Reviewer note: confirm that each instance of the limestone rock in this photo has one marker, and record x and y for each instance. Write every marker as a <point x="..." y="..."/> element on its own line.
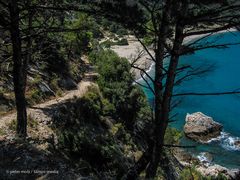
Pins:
<point x="201" y="127"/>
<point x="215" y="170"/>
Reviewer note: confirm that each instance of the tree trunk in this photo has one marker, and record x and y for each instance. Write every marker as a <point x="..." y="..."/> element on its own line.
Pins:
<point x="19" y="69"/>
<point x="159" y="128"/>
<point x="163" y="101"/>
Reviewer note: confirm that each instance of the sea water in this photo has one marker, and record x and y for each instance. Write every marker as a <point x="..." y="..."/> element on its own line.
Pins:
<point x="220" y="71"/>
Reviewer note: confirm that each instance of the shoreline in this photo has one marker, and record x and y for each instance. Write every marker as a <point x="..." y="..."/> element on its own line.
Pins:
<point x="204" y="164"/>
<point x="132" y="50"/>
<point x="202" y="168"/>
<point x="195" y="37"/>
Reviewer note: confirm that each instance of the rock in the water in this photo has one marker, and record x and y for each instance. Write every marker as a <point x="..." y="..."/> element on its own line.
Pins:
<point x="215" y="170"/>
<point x="201" y="128"/>
<point x="237" y="143"/>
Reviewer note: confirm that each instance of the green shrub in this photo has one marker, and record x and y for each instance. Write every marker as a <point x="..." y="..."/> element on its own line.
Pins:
<point x="98" y="128"/>
<point x="190" y="174"/>
<point x="108" y="108"/>
<point x="115" y="82"/>
<point x="35" y="96"/>
<point x="54" y="82"/>
<point x="121" y="32"/>
<point x="220" y="176"/>
<point x="107" y="44"/>
<point x="91" y="106"/>
<point x="172" y="136"/>
<point x="193" y="174"/>
<point x="36" y="80"/>
<point x="122" y="42"/>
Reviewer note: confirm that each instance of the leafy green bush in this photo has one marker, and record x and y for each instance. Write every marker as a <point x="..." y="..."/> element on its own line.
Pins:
<point x="35" y="96"/>
<point x="108" y="108"/>
<point x="190" y="174"/>
<point x="99" y="128"/>
<point x="122" y="42"/>
<point x="115" y="82"/>
<point x="91" y="106"/>
<point x="172" y="136"/>
<point x="193" y="174"/>
<point x="121" y="31"/>
<point x="220" y="176"/>
<point x="82" y="134"/>
<point x="107" y="44"/>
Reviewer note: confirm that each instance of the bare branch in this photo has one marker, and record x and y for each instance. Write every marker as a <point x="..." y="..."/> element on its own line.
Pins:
<point x="207" y="94"/>
<point x="144" y="71"/>
<point x="149" y="86"/>
<point x="177" y="146"/>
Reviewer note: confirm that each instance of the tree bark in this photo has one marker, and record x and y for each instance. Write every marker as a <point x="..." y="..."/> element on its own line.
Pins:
<point x="159" y="128"/>
<point x="163" y="100"/>
<point x="19" y="69"/>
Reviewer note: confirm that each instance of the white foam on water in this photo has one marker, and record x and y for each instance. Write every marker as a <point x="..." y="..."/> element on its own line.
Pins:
<point x="203" y="158"/>
<point x="222" y="136"/>
<point x="227" y="141"/>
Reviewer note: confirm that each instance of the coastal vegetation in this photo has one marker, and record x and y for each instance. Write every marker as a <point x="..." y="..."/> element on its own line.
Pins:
<point x="69" y="101"/>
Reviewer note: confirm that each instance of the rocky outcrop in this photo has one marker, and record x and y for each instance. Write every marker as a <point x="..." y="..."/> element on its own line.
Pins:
<point x="215" y="170"/>
<point x="44" y="87"/>
<point x="185" y="158"/>
<point x="203" y="164"/>
<point x="68" y="83"/>
<point x="201" y="128"/>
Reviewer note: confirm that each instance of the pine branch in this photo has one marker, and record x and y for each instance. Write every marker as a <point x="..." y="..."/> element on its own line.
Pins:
<point x="207" y="94"/>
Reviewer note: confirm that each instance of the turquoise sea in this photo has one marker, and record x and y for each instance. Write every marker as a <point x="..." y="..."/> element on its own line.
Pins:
<point x="223" y="75"/>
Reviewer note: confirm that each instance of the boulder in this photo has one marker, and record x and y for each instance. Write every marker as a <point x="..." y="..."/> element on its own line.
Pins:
<point x="237" y="144"/>
<point x="201" y="128"/>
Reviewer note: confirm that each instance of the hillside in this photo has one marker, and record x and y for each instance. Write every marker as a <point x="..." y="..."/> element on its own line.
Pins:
<point x="111" y="90"/>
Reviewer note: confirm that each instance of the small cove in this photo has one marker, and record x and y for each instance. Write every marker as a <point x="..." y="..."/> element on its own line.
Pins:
<point x="223" y="75"/>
